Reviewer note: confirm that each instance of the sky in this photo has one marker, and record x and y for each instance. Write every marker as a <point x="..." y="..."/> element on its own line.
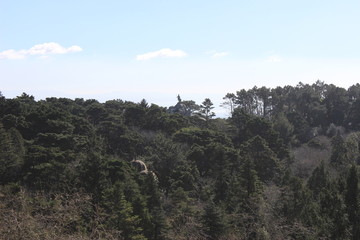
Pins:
<point x="157" y="49"/>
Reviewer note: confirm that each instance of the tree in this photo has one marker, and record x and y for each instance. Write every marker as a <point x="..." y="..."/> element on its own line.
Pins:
<point x="250" y="178"/>
<point x="339" y="151"/>
<point x="353" y="117"/>
<point x="134" y="114"/>
<point x="352" y="147"/>
<point x="263" y="128"/>
<point x="190" y="107"/>
<point x="96" y="112"/>
<point x="186" y="108"/>
<point x="263" y="99"/>
<point x="112" y="131"/>
<point x="144" y="103"/>
<point x="320" y="89"/>
<point x="214" y="222"/>
<point x="352" y="201"/>
<point x="337" y="104"/>
<point x="11" y="154"/>
<point x="120" y="214"/>
<point x="283" y="126"/>
<point x="224" y="181"/>
<point x="229" y="102"/>
<point x="91" y="174"/>
<point x="283" y="99"/>
<point x="354" y="92"/>
<point x="301" y="126"/>
<point x="318" y="180"/>
<point x="265" y="161"/>
<point x="245" y="100"/>
<point x="155" y="206"/>
<point x="165" y="155"/>
<point x="206" y="109"/>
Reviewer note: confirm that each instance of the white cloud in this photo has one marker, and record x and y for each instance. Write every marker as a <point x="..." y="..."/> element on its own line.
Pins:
<point x="274" y="58"/>
<point x="216" y="54"/>
<point x="165" y="52"/>
<point x="43" y="49"/>
<point x="219" y="54"/>
<point x="12" y="54"/>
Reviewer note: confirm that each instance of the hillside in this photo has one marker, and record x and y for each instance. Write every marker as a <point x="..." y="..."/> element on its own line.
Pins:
<point x="284" y="165"/>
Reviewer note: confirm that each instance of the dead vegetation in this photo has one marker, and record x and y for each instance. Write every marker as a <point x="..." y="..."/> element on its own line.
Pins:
<point x="308" y="156"/>
<point x="56" y="217"/>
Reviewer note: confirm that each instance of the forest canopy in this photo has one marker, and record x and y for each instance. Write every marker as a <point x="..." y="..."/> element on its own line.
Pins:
<point x="283" y="165"/>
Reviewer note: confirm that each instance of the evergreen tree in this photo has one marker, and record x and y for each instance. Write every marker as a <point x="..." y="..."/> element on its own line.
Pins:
<point x="283" y="126"/>
<point x="65" y="166"/>
<point x="158" y="219"/>
<point x="264" y="159"/>
<point x="352" y="201"/>
<point x="206" y="109"/>
<point x="214" y="222"/>
<point x="251" y="182"/>
<point x="120" y="213"/>
<point x="338" y="152"/>
<point x="11" y="155"/>
<point x="229" y="102"/>
<point x="318" y="180"/>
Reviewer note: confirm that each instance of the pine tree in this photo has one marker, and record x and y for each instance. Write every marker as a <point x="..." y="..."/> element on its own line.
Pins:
<point x="214" y="222"/>
<point x="338" y="152"/>
<point x="352" y="201"/>
<point x="154" y="204"/>
<point x="120" y="214"/>
<point x="250" y="178"/>
<point x="318" y="180"/>
<point x="11" y="154"/>
<point x="206" y="109"/>
<point x="264" y="159"/>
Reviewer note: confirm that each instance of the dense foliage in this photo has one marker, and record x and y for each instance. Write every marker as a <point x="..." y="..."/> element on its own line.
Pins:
<point x="284" y="165"/>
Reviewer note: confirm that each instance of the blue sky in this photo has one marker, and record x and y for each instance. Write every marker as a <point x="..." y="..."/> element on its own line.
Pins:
<point x="156" y="49"/>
